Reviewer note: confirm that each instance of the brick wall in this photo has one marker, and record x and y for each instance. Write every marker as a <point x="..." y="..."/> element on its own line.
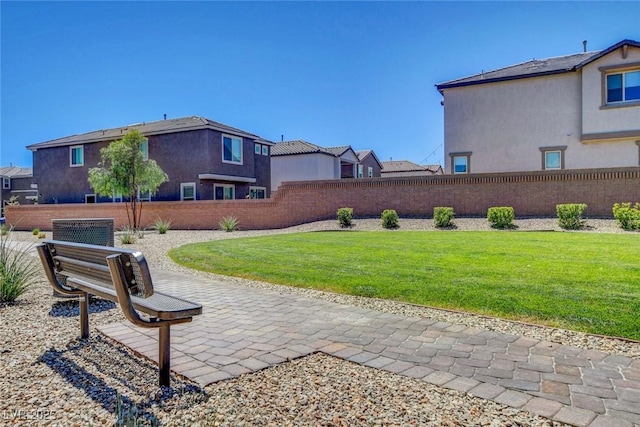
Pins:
<point x="531" y="194"/>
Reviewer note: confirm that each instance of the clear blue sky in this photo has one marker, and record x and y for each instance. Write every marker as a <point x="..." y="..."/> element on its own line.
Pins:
<point x="332" y="73"/>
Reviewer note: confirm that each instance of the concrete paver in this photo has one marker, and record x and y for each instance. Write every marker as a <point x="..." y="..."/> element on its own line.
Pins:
<point x="244" y="330"/>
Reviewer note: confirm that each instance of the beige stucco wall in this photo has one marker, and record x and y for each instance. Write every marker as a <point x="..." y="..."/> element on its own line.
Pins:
<point x="595" y="118"/>
<point x="304" y="167"/>
<point x="504" y="124"/>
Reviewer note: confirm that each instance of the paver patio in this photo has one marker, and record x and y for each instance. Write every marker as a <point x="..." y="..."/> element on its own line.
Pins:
<point x="244" y="330"/>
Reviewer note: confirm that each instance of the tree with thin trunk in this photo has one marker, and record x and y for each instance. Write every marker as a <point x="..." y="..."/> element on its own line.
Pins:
<point x="124" y="170"/>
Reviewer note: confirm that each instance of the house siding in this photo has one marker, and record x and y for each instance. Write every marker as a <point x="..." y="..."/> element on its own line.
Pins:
<point x="303" y="167"/>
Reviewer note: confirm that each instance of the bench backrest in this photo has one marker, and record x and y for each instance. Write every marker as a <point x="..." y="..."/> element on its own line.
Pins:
<point x="89" y="262"/>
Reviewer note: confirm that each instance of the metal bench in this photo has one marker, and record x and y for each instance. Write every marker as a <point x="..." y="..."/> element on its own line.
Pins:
<point x="118" y="275"/>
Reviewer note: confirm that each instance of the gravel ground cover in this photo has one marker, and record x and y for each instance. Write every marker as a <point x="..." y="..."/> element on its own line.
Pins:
<point x="49" y="377"/>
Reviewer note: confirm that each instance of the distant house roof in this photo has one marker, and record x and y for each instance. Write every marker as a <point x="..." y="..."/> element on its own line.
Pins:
<point x="16" y="172"/>
<point x="407" y="166"/>
<point x="362" y="154"/>
<point x="536" y="67"/>
<point x="183" y="124"/>
<point x="298" y="146"/>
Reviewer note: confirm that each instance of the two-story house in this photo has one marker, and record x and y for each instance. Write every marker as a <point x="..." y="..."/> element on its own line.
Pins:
<point x="571" y="112"/>
<point x="300" y="160"/>
<point x="17" y="185"/>
<point x="205" y="160"/>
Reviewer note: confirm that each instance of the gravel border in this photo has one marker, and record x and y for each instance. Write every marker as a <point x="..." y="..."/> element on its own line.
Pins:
<point x="52" y="378"/>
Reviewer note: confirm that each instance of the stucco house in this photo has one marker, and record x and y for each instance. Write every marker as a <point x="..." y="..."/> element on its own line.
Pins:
<point x="570" y="112"/>
<point x="398" y="168"/>
<point x="369" y="166"/>
<point x="205" y="160"/>
<point x="17" y="181"/>
<point x="300" y="160"/>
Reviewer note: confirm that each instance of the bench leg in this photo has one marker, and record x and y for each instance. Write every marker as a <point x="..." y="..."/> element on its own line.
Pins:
<point x="164" y="356"/>
<point x="84" y="315"/>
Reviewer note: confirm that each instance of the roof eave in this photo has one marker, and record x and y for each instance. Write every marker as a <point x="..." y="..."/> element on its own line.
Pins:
<point x="443" y="86"/>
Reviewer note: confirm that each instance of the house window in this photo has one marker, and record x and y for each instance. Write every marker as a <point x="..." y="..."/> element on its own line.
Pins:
<point x="89" y="198"/>
<point x="117" y="197"/>
<point x="624" y="86"/>
<point x="144" y="147"/>
<point x="265" y="150"/>
<point x="231" y="149"/>
<point x="76" y="155"/>
<point x="144" y="195"/>
<point x="224" y="192"/>
<point x="6" y="183"/>
<point x="553" y="157"/>
<point x="370" y="172"/>
<point x="258" y="149"/>
<point x="461" y="162"/>
<point x="257" y="192"/>
<point x="188" y="191"/>
<point x="360" y="171"/>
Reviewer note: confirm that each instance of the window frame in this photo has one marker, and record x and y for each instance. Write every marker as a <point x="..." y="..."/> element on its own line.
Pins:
<point x="265" y="150"/>
<point x="612" y="70"/>
<point x="146" y="198"/>
<point x="257" y="149"/>
<point x="360" y="171"/>
<point x="232" y="138"/>
<point x="117" y="197"/>
<point x="463" y="154"/>
<point x="6" y="183"/>
<point x="256" y="189"/>
<point x="224" y="186"/>
<point x="369" y="172"/>
<point x="183" y="186"/>
<point x="71" y="150"/>
<point x="88" y="196"/>
<point x="560" y="149"/>
<point x="144" y="147"/>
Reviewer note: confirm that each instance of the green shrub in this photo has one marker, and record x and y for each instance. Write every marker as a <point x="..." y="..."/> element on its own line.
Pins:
<point x="35" y="231"/>
<point x="501" y="216"/>
<point x="345" y="216"/>
<point x="443" y="216"/>
<point x="389" y="218"/>
<point x="18" y="270"/>
<point x="628" y="216"/>
<point x="229" y="223"/>
<point x="570" y="215"/>
<point x="128" y="236"/>
<point x="42" y="236"/>
<point x="162" y="226"/>
<point x="3" y="230"/>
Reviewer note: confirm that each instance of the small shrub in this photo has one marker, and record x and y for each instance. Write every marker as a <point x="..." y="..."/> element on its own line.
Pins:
<point x="345" y="217"/>
<point x="389" y="218"/>
<point x="229" y="224"/>
<point x="129" y="415"/>
<point x="627" y="216"/>
<point x="3" y="230"/>
<point x="501" y="216"/>
<point x="162" y="226"/>
<point x="35" y="231"/>
<point x="128" y="236"/>
<point x="570" y="215"/>
<point x="443" y="216"/>
<point x="18" y="270"/>
<point x="42" y="236"/>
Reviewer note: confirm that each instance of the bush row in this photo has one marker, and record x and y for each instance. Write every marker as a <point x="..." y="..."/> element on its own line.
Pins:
<point x="502" y="217"/>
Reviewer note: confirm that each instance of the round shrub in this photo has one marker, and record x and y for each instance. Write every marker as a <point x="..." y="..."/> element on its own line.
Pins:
<point x="389" y="218"/>
<point x="345" y="217"/>
<point x="501" y="217"/>
<point x="443" y="216"/>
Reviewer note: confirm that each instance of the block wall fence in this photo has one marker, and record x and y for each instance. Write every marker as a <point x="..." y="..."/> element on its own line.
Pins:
<point x="530" y="194"/>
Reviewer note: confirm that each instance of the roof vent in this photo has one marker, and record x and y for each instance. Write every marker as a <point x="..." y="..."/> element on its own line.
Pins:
<point x="584" y="45"/>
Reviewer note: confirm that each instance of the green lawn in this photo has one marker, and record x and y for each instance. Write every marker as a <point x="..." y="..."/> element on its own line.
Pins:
<point x="582" y="281"/>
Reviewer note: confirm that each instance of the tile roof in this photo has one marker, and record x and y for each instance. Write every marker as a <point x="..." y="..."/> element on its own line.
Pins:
<point x="299" y="146"/>
<point x="401" y="166"/>
<point x="15" y="172"/>
<point x="182" y="124"/>
<point x="535" y="67"/>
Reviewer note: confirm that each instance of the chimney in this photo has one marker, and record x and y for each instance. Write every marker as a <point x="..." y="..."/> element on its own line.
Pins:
<point x="584" y="45"/>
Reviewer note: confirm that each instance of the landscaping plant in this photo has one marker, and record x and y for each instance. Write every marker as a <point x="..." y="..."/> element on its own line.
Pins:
<point x="501" y="217"/>
<point x="389" y="218"/>
<point x="443" y="216"/>
<point x="570" y="215"/>
<point x="18" y="270"/>
<point x="229" y="223"/>
<point x="627" y="216"/>
<point x="35" y="231"/>
<point x="128" y="236"/>
<point x="345" y="216"/>
<point x="162" y="226"/>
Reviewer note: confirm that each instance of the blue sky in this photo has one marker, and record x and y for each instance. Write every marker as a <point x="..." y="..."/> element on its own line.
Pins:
<point x="332" y="73"/>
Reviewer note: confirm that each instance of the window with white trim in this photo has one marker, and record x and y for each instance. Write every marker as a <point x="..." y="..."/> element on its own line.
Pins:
<point x="360" y="171"/>
<point x="89" y="198"/>
<point x="6" y="183"/>
<point x="257" y="192"/>
<point x="76" y="155"/>
<point x="144" y="147"/>
<point x="117" y="197"/>
<point x="258" y="149"/>
<point x="231" y="149"/>
<point x="265" y="150"/>
<point x="553" y="157"/>
<point x="188" y="191"/>
<point x="224" y="191"/>
<point x="144" y="196"/>
<point x="623" y="86"/>
<point x="460" y="162"/>
<point x="370" y="172"/>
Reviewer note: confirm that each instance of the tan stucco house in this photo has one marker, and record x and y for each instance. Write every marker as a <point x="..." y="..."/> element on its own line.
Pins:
<point x="571" y="112"/>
